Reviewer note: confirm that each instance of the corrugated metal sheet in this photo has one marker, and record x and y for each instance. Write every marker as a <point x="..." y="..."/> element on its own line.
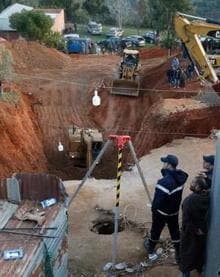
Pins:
<point x="6" y="211"/>
<point x="33" y="262"/>
<point x="36" y="187"/>
<point x="39" y="186"/>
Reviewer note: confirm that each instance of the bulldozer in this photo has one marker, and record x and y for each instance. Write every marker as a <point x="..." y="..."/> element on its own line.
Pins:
<point x="84" y="145"/>
<point x="127" y="81"/>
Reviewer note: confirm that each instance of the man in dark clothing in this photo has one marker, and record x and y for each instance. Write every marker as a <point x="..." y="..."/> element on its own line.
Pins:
<point x="208" y="165"/>
<point x="194" y="227"/>
<point x="166" y="203"/>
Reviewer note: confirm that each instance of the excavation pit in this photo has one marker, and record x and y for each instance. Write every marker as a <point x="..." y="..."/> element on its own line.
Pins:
<point x="106" y="227"/>
<point x="48" y="106"/>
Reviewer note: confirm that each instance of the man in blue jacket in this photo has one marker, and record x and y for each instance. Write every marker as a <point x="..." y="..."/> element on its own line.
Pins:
<point x="165" y="205"/>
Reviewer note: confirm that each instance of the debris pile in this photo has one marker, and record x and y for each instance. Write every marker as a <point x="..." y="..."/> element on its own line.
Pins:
<point x="34" y="238"/>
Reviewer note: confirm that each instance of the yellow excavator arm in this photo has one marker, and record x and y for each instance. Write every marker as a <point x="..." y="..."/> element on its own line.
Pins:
<point x="188" y="32"/>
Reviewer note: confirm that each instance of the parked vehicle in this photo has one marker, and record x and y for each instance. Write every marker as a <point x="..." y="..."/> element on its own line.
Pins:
<point x="111" y="44"/>
<point x="70" y="36"/>
<point x="150" y="37"/>
<point x="78" y="45"/>
<point x="114" y="32"/>
<point x="94" y="28"/>
<point x="135" y="40"/>
<point x="127" y="43"/>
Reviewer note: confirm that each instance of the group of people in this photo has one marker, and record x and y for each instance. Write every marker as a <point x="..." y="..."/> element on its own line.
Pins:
<point x="177" y="75"/>
<point x="190" y="242"/>
<point x="112" y="46"/>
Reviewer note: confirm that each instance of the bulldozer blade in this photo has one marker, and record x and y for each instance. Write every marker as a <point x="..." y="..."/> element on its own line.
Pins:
<point x="125" y="87"/>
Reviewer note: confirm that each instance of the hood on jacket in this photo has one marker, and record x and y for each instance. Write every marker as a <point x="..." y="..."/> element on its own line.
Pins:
<point x="179" y="175"/>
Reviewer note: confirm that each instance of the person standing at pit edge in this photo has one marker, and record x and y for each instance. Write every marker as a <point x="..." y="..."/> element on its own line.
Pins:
<point x="194" y="227"/>
<point x="165" y="205"/>
<point x="208" y="165"/>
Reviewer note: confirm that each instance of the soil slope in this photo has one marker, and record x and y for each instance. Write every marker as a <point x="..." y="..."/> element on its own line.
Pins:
<point x="21" y="147"/>
<point x="61" y="87"/>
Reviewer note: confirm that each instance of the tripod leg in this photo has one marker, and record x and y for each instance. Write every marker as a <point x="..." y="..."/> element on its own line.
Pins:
<point x="139" y="169"/>
<point x="90" y="170"/>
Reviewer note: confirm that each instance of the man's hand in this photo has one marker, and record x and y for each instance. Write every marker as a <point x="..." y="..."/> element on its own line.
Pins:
<point x="199" y="232"/>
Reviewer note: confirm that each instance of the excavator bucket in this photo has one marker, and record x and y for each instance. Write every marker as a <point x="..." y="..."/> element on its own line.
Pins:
<point x="84" y="145"/>
<point x="125" y="87"/>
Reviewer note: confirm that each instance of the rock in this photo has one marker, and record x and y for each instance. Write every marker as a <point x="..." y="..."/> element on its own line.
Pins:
<point x="121" y="266"/>
<point x="130" y="270"/>
<point x="107" y="266"/>
<point x="159" y="251"/>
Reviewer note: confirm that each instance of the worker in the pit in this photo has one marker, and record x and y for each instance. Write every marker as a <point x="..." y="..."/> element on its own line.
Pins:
<point x="165" y="205"/>
<point x="208" y="165"/>
<point x="194" y="227"/>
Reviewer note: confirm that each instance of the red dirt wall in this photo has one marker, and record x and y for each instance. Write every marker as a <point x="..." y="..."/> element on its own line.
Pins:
<point x="21" y="147"/>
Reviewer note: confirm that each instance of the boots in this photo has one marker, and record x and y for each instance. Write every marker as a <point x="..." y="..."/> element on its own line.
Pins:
<point x="177" y="252"/>
<point x="149" y="245"/>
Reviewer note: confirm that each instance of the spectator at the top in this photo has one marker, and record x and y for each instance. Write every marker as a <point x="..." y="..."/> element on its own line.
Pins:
<point x="175" y="63"/>
<point x="208" y="165"/>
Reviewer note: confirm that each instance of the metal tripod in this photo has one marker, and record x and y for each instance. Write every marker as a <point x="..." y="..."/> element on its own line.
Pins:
<point x="120" y="143"/>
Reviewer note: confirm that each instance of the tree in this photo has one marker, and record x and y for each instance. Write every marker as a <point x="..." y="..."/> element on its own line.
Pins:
<point x="6" y="69"/>
<point x="54" y="40"/>
<point x="138" y="13"/>
<point x="4" y="4"/>
<point x="207" y="8"/>
<point x="33" y="25"/>
<point x="96" y="9"/>
<point x="70" y="6"/>
<point x="81" y="16"/>
<point x="32" y="3"/>
<point x="119" y="10"/>
<point x="161" y="12"/>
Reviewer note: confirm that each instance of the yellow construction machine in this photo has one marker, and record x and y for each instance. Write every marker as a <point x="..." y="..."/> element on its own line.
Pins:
<point x="189" y="32"/>
<point x="211" y="45"/>
<point x="127" y="80"/>
<point x="84" y="145"/>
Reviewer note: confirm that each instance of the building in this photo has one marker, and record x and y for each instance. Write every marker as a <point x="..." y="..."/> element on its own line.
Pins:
<point x="57" y="15"/>
<point x="5" y="30"/>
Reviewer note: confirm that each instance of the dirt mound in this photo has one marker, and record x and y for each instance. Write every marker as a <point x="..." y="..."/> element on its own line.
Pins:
<point x="154" y="52"/>
<point x="32" y="55"/>
<point x="162" y="124"/>
<point x="156" y="78"/>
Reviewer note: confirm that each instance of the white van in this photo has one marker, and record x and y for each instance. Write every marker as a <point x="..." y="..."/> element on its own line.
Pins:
<point x="94" y="28"/>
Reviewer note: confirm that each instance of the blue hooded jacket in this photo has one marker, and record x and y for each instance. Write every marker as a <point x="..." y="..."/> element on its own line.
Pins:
<point x="168" y="192"/>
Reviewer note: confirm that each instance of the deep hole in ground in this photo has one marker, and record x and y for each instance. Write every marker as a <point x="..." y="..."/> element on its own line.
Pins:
<point x="57" y="92"/>
<point x="106" y="227"/>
